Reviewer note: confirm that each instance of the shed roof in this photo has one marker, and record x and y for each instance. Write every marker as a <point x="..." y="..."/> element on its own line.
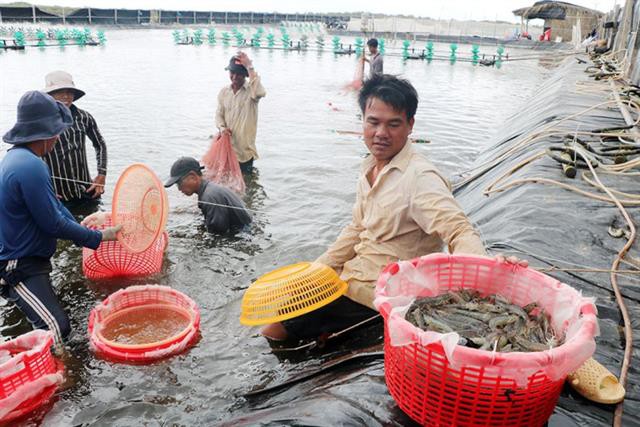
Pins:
<point x="547" y="9"/>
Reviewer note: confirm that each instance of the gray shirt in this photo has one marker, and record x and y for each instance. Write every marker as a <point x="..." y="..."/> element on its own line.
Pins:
<point x="376" y="65"/>
<point x="220" y="219"/>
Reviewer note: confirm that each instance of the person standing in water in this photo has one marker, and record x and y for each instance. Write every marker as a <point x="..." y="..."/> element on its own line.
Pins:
<point x="237" y="112"/>
<point x="68" y="160"/>
<point x="32" y="218"/>
<point x="376" y="63"/>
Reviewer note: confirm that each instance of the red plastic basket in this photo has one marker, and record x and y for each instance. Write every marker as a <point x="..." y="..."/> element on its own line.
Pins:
<point x="111" y="259"/>
<point x="30" y="378"/>
<point x="148" y="296"/>
<point x="478" y="390"/>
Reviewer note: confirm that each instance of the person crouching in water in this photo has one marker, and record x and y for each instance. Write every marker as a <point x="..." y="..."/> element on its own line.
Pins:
<point x="222" y="209"/>
<point x="31" y="216"/>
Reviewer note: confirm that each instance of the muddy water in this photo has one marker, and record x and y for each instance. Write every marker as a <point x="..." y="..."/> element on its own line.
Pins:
<point x="144" y="325"/>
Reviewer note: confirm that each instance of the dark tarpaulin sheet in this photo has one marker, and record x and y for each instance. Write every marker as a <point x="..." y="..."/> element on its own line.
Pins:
<point x="547" y="225"/>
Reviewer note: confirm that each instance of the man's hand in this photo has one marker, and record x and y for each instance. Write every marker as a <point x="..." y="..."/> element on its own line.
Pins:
<point x="97" y="188"/>
<point x="512" y="260"/>
<point x="110" y="233"/>
<point x="95" y="220"/>
<point x="243" y="59"/>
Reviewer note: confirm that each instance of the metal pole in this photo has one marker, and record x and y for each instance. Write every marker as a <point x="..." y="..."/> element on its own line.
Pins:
<point x="89" y="9"/>
<point x="115" y="16"/>
<point x="210" y="18"/>
<point x="64" y="17"/>
<point x="160" y="16"/>
<point x="225" y="17"/>
<point x="139" y="13"/>
<point x="33" y="11"/>
<point x="251" y="18"/>
<point x="194" y="17"/>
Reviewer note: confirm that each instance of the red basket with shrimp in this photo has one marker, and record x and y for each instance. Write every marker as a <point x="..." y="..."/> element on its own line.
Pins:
<point x="437" y="382"/>
<point x="111" y="259"/>
<point x="29" y="374"/>
<point x="143" y="324"/>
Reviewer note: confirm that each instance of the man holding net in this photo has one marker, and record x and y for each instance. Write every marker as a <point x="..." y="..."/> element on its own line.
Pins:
<point x="237" y="112"/>
<point x="31" y="216"/>
<point x="404" y="209"/>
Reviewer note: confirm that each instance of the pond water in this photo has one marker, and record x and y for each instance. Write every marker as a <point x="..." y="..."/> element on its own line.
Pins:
<point x="154" y="102"/>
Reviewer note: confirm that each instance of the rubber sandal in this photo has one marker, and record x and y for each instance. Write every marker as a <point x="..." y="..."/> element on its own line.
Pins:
<point x="596" y="383"/>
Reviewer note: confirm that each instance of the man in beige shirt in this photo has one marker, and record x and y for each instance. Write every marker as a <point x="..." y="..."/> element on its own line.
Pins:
<point x="237" y="112"/>
<point x="404" y="209"/>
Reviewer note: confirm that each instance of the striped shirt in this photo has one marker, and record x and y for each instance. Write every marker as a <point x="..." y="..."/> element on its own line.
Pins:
<point x="68" y="159"/>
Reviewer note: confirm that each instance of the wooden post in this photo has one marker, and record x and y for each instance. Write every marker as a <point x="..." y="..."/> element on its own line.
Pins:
<point x="89" y="10"/>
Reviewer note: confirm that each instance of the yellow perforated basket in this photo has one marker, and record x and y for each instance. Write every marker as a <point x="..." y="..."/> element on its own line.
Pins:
<point x="289" y="292"/>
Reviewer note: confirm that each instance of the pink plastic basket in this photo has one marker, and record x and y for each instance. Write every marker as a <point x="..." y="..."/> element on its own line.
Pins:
<point x="148" y="296"/>
<point x="471" y="387"/>
<point x="111" y="259"/>
<point x="30" y="377"/>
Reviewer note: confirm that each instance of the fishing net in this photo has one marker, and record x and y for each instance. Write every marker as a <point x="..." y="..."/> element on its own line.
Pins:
<point x="222" y="165"/>
<point x="289" y="292"/>
<point x="358" y="78"/>
<point x="29" y="375"/>
<point x="434" y="364"/>
<point x="140" y="204"/>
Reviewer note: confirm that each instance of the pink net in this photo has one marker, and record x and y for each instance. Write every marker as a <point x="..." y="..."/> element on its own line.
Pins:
<point x="222" y="164"/>
<point x="358" y="78"/>
<point x="140" y="204"/>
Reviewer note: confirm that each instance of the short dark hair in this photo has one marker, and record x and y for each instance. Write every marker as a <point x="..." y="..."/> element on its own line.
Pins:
<point x="398" y="93"/>
<point x="372" y="42"/>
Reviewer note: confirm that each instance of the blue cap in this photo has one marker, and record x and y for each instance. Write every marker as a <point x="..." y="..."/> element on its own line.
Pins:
<point x="39" y="117"/>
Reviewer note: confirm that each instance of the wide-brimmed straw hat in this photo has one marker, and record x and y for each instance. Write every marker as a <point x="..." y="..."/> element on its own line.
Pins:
<point x="39" y="117"/>
<point x="57" y="80"/>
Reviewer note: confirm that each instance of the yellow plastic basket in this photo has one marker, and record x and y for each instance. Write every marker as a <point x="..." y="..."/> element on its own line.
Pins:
<point x="289" y="292"/>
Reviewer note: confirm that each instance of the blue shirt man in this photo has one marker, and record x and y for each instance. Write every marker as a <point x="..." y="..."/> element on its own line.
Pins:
<point x="31" y="216"/>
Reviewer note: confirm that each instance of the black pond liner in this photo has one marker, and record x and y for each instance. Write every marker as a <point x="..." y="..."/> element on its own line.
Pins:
<point x="547" y="225"/>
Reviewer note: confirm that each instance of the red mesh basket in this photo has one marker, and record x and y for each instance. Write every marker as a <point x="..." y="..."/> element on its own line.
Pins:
<point x="30" y="377"/>
<point x="111" y="259"/>
<point x="149" y="297"/>
<point x="476" y="387"/>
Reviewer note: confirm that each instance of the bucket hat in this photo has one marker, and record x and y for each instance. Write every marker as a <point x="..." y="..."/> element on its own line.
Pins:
<point x="234" y="67"/>
<point x="57" y="80"/>
<point x="182" y="167"/>
<point x="39" y="117"/>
